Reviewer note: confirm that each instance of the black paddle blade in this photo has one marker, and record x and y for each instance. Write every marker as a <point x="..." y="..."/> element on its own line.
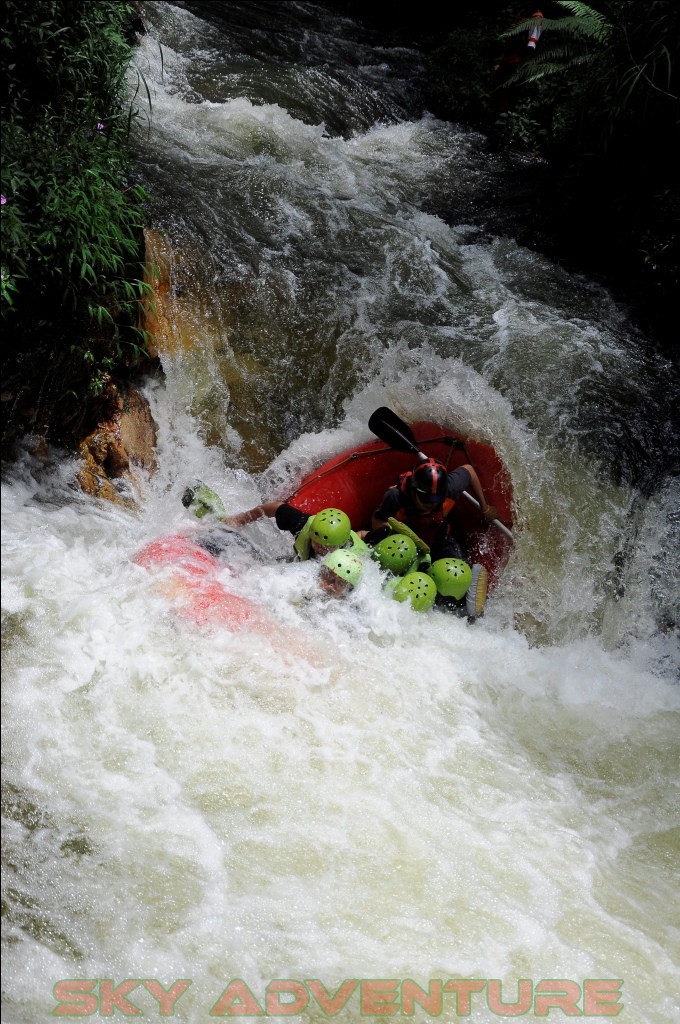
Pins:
<point x="386" y="425"/>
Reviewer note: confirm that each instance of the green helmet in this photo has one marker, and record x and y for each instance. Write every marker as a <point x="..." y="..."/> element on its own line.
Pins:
<point x="396" y="553"/>
<point x="418" y="588"/>
<point x="330" y="528"/>
<point x="452" y="577"/>
<point x="345" y="564"/>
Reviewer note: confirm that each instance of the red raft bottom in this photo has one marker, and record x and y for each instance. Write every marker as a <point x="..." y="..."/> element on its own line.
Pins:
<point x="193" y="585"/>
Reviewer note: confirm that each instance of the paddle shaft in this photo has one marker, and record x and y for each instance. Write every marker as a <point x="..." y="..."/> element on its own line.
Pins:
<point x="386" y="425"/>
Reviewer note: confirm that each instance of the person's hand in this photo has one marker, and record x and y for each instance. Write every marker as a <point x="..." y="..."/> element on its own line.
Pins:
<point x="238" y="520"/>
<point x="249" y="516"/>
<point x="490" y="513"/>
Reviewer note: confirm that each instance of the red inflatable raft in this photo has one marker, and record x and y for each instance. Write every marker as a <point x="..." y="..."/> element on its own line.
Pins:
<point x="356" y="480"/>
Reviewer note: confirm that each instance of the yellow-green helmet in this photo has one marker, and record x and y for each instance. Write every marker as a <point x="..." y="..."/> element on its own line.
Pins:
<point x="330" y="528"/>
<point x="452" y="577"/>
<point x="396" y="553"/>
<point x="418" y="588"/>
<point x="345" y="564"/>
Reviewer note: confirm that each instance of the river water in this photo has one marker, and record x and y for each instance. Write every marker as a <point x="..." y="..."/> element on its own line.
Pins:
<point x="349" y="790"/>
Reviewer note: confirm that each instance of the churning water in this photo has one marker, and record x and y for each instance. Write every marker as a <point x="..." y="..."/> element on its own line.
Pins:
<point x="347" y="790"/>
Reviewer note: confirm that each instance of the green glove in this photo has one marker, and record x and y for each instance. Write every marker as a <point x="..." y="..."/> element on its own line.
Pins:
<point x="408" y="532"/>
<point x="200" y="500"/>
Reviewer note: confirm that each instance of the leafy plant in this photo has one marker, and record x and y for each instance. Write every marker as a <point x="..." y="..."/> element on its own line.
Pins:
<point x="615" y="63"/>
<point x="566" y="43"/>
<point x="72" y="215"/>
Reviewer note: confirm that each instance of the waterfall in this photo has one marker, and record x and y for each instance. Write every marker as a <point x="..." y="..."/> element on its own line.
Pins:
<point x="345" y="790"/>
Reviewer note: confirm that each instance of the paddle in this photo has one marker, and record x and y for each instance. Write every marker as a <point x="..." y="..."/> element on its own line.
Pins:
<point x="386" y="425"/>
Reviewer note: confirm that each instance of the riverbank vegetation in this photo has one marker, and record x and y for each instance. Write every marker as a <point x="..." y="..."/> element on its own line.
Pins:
<point x="72" y="215"/>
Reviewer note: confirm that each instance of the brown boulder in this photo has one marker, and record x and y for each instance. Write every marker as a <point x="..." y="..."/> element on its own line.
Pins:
<point x="121" y="446"/>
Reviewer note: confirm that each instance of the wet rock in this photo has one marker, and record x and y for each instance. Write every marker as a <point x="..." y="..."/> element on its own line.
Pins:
<point x="120" y="448"/>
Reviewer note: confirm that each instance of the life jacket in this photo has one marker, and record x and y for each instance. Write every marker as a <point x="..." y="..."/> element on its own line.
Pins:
<point x="428" y="523"/>
<point x="303" y="543"/>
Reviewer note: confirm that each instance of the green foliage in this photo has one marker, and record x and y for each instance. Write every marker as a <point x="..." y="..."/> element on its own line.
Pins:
<point x="460" y="77"/>
<point x="566" y="43"/>
<point x="460" y="68"/>
<point x="606" y="68"/>
<point x="71" y="216"/>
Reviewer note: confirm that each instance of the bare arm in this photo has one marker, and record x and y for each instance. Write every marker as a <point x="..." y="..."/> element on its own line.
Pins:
<point x="267" y="508"/>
